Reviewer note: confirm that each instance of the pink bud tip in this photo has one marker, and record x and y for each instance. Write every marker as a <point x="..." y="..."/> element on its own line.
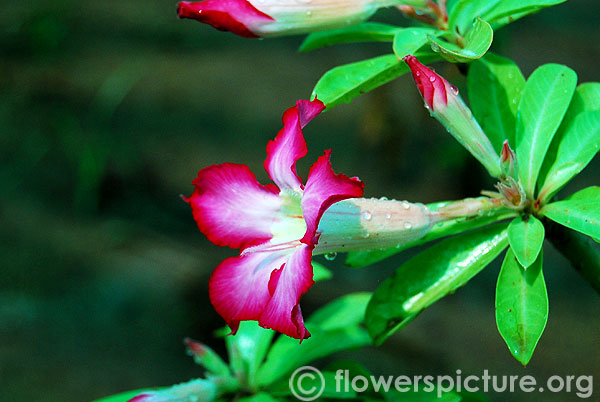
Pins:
<point x="430" y="84"/>
<point x="506" y="152"/>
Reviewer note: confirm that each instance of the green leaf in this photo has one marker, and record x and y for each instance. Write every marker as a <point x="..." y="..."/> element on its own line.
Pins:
<point x="526" y="237"/>
<point x="320" y="273"/>
<point x="124" y="396"/>
<point x="497" y="12"/>
<point x="588" y="193"/>
<point x="343" y="83"/>
<point x="577" y="214"/>
<point x="409" y="40"/>
<point x="495" y="85"/>
<point x="570" y="153"/>
<point x="464" y="12"/>
<point x="521" y="306"/>
<point x="328" y="384"/>
<point x="477" y="41"/>
<point x="570" y="139"/>
<point x="345" y="311"/>
<point x="425" y="394"/>
<point x="507" y="11"/>
<point x="247" y="349"/>
<point x="545" y="99"/>
<point x="328" y="335"/>
<point x="365" y="32"/>
<point x="429" y="276"/>
<point x="260" y="397"/>
<point x="359" y="259"/>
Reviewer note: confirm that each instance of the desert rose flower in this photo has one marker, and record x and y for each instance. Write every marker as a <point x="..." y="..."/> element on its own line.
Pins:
<point x="445" y="104"/>
<point x="279" y="227"/>
<point x="263" y="18"/>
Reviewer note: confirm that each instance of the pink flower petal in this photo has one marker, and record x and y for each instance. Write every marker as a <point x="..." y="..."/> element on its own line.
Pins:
<point x="324" y="188"/>
<point x="239" y="286"/>
<point x="232" y="208"/>
<point x="283" y="313"/>
<point x="237" y="16"/>
<point x="289" y="145"/>
<point x="429" y="83"/>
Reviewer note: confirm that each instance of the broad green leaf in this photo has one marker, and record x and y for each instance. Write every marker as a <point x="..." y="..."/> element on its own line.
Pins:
<point x="497" y="12"/>
<point x="495" y="84"/>
<point x="328" y="335"/>
<point x="429" y="276"/>
<point x="345" y="311"/>
<point x="580" y="215"/>
<point x="359" y="259"/>
<point x="521" y="306"/>
<point x="544" y="101"/>
<point x="124" y="396"/>
<point x="464" y="12"/>
<point x="260" y="397"/>
<point x="423" y="394"/>
<point x="327" y="384"/>
<point x="526" y="237"/>
<point x="320" y="273"/>
<point x="585" y="99"/>
<point x="247" y="349"/>
<point x="588" y="193"/>
<point x="409" y="40"/>
<point x="343" y="83"/>
<point x="570" y="153"/>
<point x="365" y="32"/>
<point x="506" y="11"/>
<point x="477" y="41"/>
<point x="204" y="356"/>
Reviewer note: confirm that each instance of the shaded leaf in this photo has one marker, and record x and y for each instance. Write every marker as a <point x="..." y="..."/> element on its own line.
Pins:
<point x="365" y="32"/>
<point x="526" y="237"/>
<point x="588" y="193"/>
<point x="342" y="312"/>
<point x="429" y="276"/>
<point x="343" y="83"/>
<point x="544" y="101"/>
<point x="521" y="306"/>
<point x="576" y="214"/>
<point x="247" y="349"/>
<point x="495" y="85"/>
<point x="409" y="40"/>
<point x="320" y="273"/>
<point x="124" y="396"/>
<point x="477" y="41"/>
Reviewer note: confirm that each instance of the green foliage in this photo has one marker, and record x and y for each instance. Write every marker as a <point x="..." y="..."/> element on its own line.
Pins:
<point x="576" y="142"/>
<point x="365" y="32"/>
<point x="343" y="83"/>
<point x="546" y="97"/>
<point x="429" y="276"/>
<point x="526" y="237"/>
<point x="521" y="306"/>
<point x="473" y="46"/>
<point x="495" y="85"/>
<point x="410" y="40"/>
<point x="582" y="215"/>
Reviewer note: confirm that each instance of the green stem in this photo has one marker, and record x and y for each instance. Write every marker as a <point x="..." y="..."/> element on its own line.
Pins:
<point x="579" y="249"/>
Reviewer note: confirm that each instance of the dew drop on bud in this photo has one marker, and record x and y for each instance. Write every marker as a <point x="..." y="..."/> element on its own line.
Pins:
<point x="454" y="89"/>
<point x="383" y="198"/>
<point x="367" y="215"/>
<point x="432" y="78"/>
<point x="330" y="256"/>
<point x="405" y="205"/>
<point x="388" y="216"/>
<point x="418" y="73"/>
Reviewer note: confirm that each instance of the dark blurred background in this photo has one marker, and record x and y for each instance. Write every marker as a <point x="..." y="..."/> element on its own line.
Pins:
<point x="107" y="111"/>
